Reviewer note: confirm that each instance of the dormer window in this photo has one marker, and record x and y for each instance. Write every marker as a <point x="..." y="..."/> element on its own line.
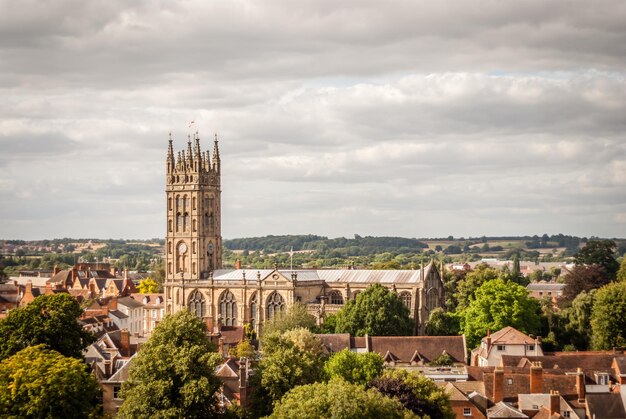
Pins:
<point x="501" y="347"/>
<point x="531" y="347"/>
<point x="602" y="378"/>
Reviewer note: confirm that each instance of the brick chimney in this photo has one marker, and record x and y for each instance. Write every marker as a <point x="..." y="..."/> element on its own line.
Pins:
<point x="498" y="384"/>
<point x="125" y="342"/>
<point x="55" y="270"/>
<point x="237" y="264"/>
<point x="580" y="385"/>
<point x="555" y="402"/>
<point x="220" y="346"/>
<point x="113" y="304"/>
<point x="536" y="378"/>
<point x="488" y="340"/>
<point x="112" y="270"/>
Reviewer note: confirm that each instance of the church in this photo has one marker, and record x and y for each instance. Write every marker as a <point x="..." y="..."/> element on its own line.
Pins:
<point x="196" y="280"/>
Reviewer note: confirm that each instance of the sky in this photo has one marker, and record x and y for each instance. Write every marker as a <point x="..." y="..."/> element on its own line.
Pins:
<point x="397" y="118"/>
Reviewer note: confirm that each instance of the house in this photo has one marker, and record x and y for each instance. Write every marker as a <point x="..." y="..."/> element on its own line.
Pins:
<point x="133" y="310"/>
<point x="544" y="289"/>
<point x="507" y="341"/>
<point x="153" y="310"/>
<point x="9" y="298"/>
<point x="234" y="375"/>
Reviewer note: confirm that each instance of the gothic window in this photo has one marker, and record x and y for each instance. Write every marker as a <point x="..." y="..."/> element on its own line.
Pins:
<point x="228" y="308"/>
<point x="253" y="308"/>
<point x="169" y="247"/>
<point x="170" y="225"/>
<point x="169" y="268"/>
<point x="194" y="225"/>
<point x="169" y="204"/>
<point x="193" y="203"/>
<point x="185" y="202"/>
<point x="335" y="297"/>
<point x="275" y="305"/>
<point x="185" y="221"/>
<point x="197" y="304"/>
<point x="432" y="299"/>
<point x="355" y="294"/>
<point x="179" y="222"/>
<point x="405" y="297"/>
<point x="179" y="203"/>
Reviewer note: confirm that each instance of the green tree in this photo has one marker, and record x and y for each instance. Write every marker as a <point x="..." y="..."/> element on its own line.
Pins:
<point x="41" y="383"/>
<point x="417" y="393"/>
<point x="608" y="317"/>
<point x="466" y="288"/>
<point x="173" y="374"/>
<point x="601" y="253"/>
<point x="499" y="304"/>
<point x="442" y="323"/>
<point x="377" y="312"/>
<point x="148" y="286"/>
<point x="50" y="320"/>
<point x="621" y="273"/>
<point x="296" y="316"/>
<point x="337" y="399"/>
<point x="577" y="319"/>
<point x="289" y="360"/>
<point x="354" y="368"/>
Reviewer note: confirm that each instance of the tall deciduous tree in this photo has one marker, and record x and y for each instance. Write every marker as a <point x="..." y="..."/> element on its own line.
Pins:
<point x="376" y="311"/>
<point x="338" y="399"/>
<point x="40" y="383"/>
<point x="354" y="368"/>
<point x="172" y="376"/>
<point x="621" y="273"/>
<point x="51" y="320"/>
<point x="499" y="304"/>
<point x="417" y="393"/>
<point x="442" y="323"/>
<point x="148" y="286"/>
<point x="608" y="317"/>
<point x="466" y="288"/>
<point x="289" y="360"/>
<point x="583" y="279"/>
<point x="599" y="252"/>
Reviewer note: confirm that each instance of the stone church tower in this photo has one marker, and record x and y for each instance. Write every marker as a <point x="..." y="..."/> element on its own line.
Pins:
<point x="194" y="238"/>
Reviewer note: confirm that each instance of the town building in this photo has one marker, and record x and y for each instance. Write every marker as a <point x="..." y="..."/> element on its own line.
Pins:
<point x="224" y="297"/>
<point x="506" y="341"/>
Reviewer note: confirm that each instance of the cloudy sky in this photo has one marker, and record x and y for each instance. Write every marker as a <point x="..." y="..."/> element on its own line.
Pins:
<point x="417" y="119"/>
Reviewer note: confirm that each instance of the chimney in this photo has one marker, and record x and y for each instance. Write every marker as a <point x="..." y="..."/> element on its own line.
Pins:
<point x="555" y="402"/>
<point x="55" y="270"/>
<point x="498" y="384"/>
<point x="243" y="382"/>
<point x="536" y="378"/>
<point x="113" y="304"/>
<point x="580" y="385"/>
<point x="29" y="288"/>
<point x="488" y="340"/>
<point x="237" y="264"/>
<point x="125" y="342"/>
<point x="48" y="288"/>
<point x="112" y="270"/>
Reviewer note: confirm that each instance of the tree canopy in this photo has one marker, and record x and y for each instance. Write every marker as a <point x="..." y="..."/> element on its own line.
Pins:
<point x="621" y="273"/>
<point x="583" y="279"/>
<point x="466" y="287"/>
<point x="289" y="360"/>
<point x="601" y="253"/>
<point x="608" y="317"/>
<point x="354" y="368"/>
<point x="148" y="286"/>
<point x="50" y="320"/>
<point x="377" y="312"/>
<point x="338" y="399"/>
<point x="41" y="383"/>
<point x="417" y="393"/>
<point x="294" y="317"/>
<point x="499" y="304"/>
<point x="442" y="323"/>
<point x="173" y="374"/>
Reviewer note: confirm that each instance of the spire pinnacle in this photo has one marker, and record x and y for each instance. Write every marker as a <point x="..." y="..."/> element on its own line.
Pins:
<point x="216" y="156"/>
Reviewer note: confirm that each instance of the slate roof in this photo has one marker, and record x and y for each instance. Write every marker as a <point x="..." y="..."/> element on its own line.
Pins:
<point x="510" y="336"/>
<point x="606" y="406"/>
<point x="129" y="302"/>
<point x="503" y="410"/>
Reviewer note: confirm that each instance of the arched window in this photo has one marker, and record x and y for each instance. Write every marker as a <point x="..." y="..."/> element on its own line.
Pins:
<point x="275" y="305"/>
<point x="405" y="297"/>
<point x="432" y="299"/>
<point x="228" y="308"/>
<point x="253" y="308"/>
<point x="355" y="294"/>
<point x="335" y="297"/>
<point x="196" y="304"/>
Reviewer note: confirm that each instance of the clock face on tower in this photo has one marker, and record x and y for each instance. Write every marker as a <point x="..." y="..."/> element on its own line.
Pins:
<point x="182" y="248"/>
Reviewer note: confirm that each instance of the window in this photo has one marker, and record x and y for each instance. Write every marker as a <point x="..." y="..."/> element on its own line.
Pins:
<point x="335" y="297"/>
<point x="116" y="392"/>
<point x="566" y="414"/>
<point x="253" y="307"/>
<point x="501" y="347"/>
<point x="275" y="305"/>
<point x="535" y="407"/>
<point x="197" y="304"/>
<point x="228" y="308"/>
<point x="531" y="347"/>
<point x="509" y="381"/>
<point x="405" y="297"/>
<point x="467" y="411"/>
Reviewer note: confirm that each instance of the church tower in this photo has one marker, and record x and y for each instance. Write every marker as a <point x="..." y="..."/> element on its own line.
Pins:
<point x="194" y="238"/>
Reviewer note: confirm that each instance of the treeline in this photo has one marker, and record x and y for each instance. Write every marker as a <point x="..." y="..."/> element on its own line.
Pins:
<point x="366" y="245"/>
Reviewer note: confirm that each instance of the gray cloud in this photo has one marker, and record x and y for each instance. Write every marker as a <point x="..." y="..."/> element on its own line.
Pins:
<point x="411" y="119"/>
